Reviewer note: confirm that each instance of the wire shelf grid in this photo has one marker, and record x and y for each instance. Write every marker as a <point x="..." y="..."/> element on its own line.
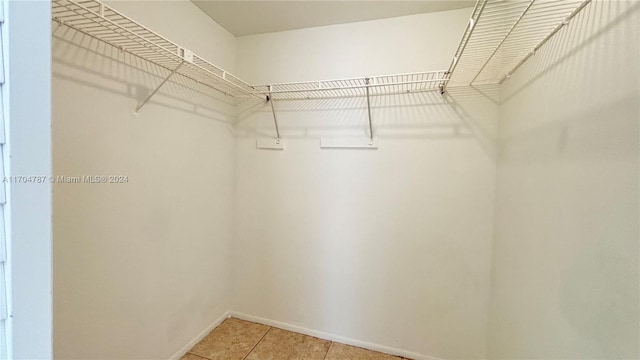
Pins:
<point x="500" y="36"/>
<point x="99" y="21"/>
<point x="356" y="87"/>
<point x="503" y="34"/>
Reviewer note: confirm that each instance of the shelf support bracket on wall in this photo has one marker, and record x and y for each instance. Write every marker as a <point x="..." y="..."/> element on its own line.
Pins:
<point x="369" y="112"/>
<point x="275" y="118"/>
<point x="271" y="143"/>
<point x="158" y="87"/>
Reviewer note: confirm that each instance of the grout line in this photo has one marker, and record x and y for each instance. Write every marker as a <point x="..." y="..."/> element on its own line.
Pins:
<point x="315" y="334"/>
<point x="329" y="349"/>
<point x="259" y="341"/>
<point x="200" y="356"/>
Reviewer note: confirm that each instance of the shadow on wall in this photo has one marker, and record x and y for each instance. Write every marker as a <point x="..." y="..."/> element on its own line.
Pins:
<point x="582" y="77"/>
<point x="565" y="278"/>
<point x="84" y="60"/>
<point x="548" y="67"/>
<point x="463" y="112"/>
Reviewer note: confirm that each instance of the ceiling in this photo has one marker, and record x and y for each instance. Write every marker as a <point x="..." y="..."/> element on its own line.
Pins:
<point x="255" y="17"/>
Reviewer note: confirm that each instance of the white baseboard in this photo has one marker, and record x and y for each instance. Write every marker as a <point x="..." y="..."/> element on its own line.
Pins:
<point x="331" y="337"/>
<point x="183" y="350"/>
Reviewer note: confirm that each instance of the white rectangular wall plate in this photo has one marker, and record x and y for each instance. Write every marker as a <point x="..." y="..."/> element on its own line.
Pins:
<point x="348" y="143"/>
<point x="270" y="144"/>
<point x="186" y="54"/>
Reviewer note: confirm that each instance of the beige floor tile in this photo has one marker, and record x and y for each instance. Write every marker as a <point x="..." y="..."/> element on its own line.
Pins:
<point x="191" y="357"/>
<point x="231" y="340"/>
<point x="280" y="344"/>
<point x="345" y="352"/>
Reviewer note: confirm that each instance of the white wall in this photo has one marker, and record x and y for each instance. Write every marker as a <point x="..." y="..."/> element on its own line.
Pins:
<point x="565" y="276"/>
<point x="389" y="46"/>
<point x="140" y="268"/>
<point x="389" y="246"/>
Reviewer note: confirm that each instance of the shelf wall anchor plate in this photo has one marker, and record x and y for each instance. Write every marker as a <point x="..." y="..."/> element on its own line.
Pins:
<point x="269" y="144"/>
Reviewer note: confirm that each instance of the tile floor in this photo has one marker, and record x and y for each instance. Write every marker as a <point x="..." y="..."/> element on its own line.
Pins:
<point x="236" y="339"/>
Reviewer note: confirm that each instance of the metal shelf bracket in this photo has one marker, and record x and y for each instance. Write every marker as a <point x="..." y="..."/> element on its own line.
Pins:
<point x="157" y="88"/>
<point x="367" y="82"/>
<point x="275" y="118"/>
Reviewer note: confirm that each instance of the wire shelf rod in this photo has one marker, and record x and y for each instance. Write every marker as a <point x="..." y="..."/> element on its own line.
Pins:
<point x="471" y="25"/>
<point x="564" y="23"/>
<point x="504" y="36"/>
<point x="503" y="40"/>
<point x="360" y="86"/>
<point x="123" y="33"/>
<point x="441" y="72"/>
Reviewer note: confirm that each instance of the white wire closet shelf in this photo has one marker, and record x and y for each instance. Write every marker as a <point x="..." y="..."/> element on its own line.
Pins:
<point x="356" y="87"/>
<point x="502" y="34"/>
<point x="101" y="22"/>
